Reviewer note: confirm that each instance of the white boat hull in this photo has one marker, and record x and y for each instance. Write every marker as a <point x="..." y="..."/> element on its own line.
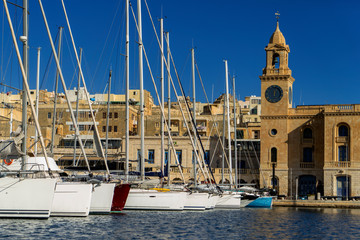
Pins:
<point x="229" y="201"/>
<point x="71" y="199"/>
<point x="196" y="201"/>
<point x="26" y="198"/>
<point x="213" y="199"/>
<point x="102" y="197"/>
<point x="140" y="199"/>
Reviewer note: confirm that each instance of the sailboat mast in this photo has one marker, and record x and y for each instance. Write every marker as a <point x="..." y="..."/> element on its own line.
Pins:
<point x="26" y="68"/>
<point x="107" y="118"/>
<point x="37" y="97"/>
<point x="142" y="124"/>
<point x="169" y="108"/>
<point x="223" y="146"/>
<point x="228" y="121"/>
<point x="55" y="94"/>
<point x="235" y="137"/>
<point x="77" y="110"/>
<point x="162" y="96"/>
<point x="127" y="94"/>
<point x="194" y="114"/>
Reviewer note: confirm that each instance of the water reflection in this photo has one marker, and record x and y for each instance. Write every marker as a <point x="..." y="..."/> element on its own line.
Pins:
<point x="283" y="223"/>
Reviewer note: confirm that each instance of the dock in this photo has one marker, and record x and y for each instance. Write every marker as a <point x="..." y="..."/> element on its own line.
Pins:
<point x="316" y="203"/>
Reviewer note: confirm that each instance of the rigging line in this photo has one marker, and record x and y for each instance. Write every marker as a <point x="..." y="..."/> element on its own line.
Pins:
<point x="212" y="116"/>
<point x="161" y="108"/>
<point x="72" y="61"/>
<point x="46" y="72"/>
<point x="11" y="52"/>
<point x="106" y="40"/>
<point x="193" y="125"/>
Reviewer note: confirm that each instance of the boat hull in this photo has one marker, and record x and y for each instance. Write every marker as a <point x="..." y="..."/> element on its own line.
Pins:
<point x="261" y="202"/>
<point x="121" y="193"/>
<point x="71" y="199"/>
<point x="26" y="198"/>
<point x="229" y="201"/>
<point x="101" y="198"/>
<point x="196" y="201"/>
<point x="140" y="199"/>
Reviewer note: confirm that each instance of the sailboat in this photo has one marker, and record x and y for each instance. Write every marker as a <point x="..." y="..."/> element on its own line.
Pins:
<point x="23" y="194"/>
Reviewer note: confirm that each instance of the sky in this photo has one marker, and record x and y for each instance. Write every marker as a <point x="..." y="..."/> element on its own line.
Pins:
<point x="323" y="36"/>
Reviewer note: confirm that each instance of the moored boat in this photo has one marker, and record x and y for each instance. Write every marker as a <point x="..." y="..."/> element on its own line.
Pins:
<point x="121" y="193"/>
<point x="141" y="199"/>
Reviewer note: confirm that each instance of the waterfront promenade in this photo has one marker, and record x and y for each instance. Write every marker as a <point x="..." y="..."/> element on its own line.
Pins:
<point x="317" y="203"/>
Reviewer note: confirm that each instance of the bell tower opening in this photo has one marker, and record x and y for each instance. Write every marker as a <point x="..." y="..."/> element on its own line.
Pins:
<point x="276" y="61"/>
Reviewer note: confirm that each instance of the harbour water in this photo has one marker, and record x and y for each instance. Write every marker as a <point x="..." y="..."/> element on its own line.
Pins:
<point x="276" y="223"/>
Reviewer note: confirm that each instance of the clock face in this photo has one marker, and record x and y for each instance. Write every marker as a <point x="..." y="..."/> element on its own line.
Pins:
<point x="274" y="93"/>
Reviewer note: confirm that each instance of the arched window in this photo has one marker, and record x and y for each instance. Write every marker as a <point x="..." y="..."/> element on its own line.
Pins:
<point x="343" y="131"/>
<point x="276" y="61"/>
<point x="274" y="155"/>
<point x="307" y="133"/>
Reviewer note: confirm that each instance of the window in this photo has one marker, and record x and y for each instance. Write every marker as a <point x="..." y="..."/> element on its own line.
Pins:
<point x="239" y="134"/>
<point x="343" y="153"/>
<point x="110" y="114"/>
<point x="81" y="127"/>
<point x="273" y="155"/>
<point x="276" y="61"/>
<point x="256" y="134"/>
<point x="49" y="114"/>
<point x="151" y="154"/>
<point x="307" y="155"/>
<point x="116" y="115"/>
<point x="104" y="128"/>
<point x="157" y="124"/>
<point x="115" y="128"/>
<point x="104" y="114"/>
<point x="109" y="128"/>
<point x="254" y="111"/>
<point x="343" y="131"/>
<point x="207" y="157"/>
<point x="307" y="133"/>
<point x="166" y="157"/>
<point x="179" y="155"/>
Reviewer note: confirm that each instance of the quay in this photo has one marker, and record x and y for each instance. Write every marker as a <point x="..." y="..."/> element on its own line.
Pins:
<point x="329" y="203"/>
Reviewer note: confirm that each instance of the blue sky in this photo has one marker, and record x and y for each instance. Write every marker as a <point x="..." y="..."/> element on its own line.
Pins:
<point x="323" y="36"/>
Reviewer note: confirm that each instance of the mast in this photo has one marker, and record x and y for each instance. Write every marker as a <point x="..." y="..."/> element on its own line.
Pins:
<point x="77" y="109"/>
<point x="169" y="108"/>
<point x="55" y="95"/>
<point x="223" y="144"/>
<point x="127" y="95"/>
<point x="64" y="86"/>
<point x="107" y="118"/>
<point x="162" y="96"/>
<point x="228" y="121"/>
<point x="235" y="137"/>
<point x="194" y="115"/>
<point x="24" y="39"/>
<point x="37" y="97"/>
<point x="142" y="160"/>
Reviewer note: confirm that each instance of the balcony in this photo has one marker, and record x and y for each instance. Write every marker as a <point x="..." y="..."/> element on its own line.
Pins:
<point x="340" y="164"/>
<point x="307" y="165"/>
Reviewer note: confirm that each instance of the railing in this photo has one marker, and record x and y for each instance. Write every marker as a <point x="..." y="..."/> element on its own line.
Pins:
<point x="307" y="165"/>
<point x="340" y="164"/>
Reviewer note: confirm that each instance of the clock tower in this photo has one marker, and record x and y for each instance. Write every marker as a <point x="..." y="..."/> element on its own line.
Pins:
<point x="276" y="80"/>
<point x="276" y="102"/>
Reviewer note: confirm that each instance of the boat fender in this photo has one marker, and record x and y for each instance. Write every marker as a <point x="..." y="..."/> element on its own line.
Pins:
<point x="8" y="161"/>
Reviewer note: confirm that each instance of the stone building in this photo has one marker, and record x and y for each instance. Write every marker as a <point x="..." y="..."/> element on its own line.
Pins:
<point x="307" y="149"/>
